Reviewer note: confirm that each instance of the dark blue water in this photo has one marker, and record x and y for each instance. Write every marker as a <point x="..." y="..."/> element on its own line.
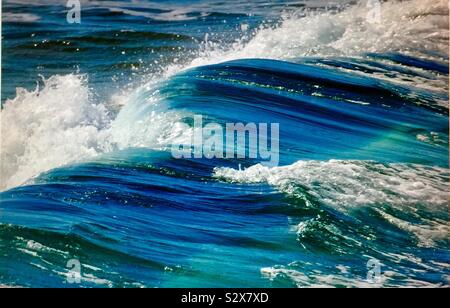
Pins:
<point x="88" y="174"/>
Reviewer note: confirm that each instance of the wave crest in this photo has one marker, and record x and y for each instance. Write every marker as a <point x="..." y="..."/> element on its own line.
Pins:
<point x="49" y="127"/>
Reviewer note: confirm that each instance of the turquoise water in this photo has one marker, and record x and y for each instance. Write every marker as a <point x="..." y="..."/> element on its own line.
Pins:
<point x="87" y="170"/>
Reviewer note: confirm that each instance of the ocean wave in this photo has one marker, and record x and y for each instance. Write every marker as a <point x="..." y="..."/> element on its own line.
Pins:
<point x="349" y="185"/>
<point x="50" y="127"/>
<point x="414" y="28"/>
<point x="352" y="183"/>
<point x="363" y="113"/>
<point x="345" y="32"/>
<point x="65" y="108"/>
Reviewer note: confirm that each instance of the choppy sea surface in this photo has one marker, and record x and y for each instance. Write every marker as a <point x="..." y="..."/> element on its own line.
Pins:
<point x="90" y="110"/>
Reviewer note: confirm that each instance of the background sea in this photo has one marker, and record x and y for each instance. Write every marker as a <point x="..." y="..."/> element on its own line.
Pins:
<point x="90" y="110"/>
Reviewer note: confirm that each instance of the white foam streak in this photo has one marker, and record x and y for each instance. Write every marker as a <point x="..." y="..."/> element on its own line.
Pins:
<point x="320" y="279"/>
<point x="351" y="183"/>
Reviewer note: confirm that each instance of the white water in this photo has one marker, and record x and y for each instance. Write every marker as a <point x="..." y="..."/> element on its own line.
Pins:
<point x="349" y="185"/>
<point x="49" y="127"/>
<point x="403" y="26"/>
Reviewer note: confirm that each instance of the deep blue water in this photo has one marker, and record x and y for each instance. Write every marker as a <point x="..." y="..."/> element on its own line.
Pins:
<point x="88" y="175"/>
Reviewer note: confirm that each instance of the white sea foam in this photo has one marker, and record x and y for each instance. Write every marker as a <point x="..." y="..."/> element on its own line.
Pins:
<point x="419" y="28"/>
<point x="319" y="279"/>
<point x="350" y="185"/>
<point x="405" y="26"/>
<point x="59" y="122"/>
<point x="49" y="127"/>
